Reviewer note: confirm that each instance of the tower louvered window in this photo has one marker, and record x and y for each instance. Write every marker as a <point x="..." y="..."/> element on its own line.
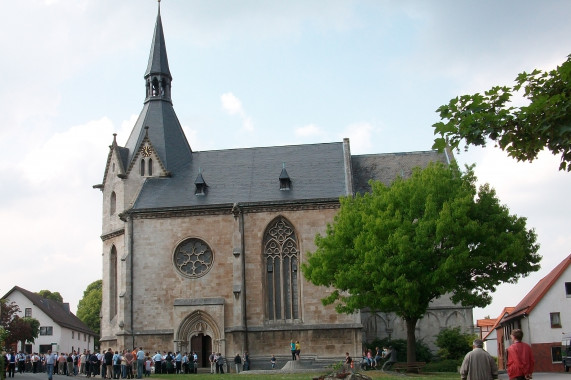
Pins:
<point x="281" y="255"/>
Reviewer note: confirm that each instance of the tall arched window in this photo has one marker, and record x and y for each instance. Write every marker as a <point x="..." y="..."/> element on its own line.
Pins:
<point x="150" y="166"/>
<point x="281" y="255"/>
<point x="113" y="283"/>
<point x="112" y="203"/>
<point x="142" y="167"/>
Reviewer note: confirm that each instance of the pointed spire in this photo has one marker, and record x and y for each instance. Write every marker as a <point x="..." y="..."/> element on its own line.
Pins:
<point x="158" y="61"/>
<point x="158" y="76"/>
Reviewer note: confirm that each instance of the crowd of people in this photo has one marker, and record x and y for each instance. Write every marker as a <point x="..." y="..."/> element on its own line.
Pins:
<point x="109" y="364"/>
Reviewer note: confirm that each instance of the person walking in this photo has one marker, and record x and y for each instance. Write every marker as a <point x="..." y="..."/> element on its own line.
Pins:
<point x="520" y="358"/>
<point x="478" y="364"/>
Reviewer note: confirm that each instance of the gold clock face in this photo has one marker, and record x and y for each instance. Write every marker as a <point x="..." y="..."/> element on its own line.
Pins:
<point x="147" y="150"/>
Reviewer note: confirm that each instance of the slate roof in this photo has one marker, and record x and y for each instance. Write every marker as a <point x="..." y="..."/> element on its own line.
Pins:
<point x="385" y="167"/>
<point x="531" y="299"/>
<point x="251" y="175"/>
<point x="158" y="61"/>
<point x="57" y="311"/>
<point x="165" y="134"/>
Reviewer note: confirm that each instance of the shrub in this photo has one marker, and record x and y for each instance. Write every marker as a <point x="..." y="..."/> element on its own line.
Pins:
<point x="423" y="353"/>
<point x="453" y="343"/>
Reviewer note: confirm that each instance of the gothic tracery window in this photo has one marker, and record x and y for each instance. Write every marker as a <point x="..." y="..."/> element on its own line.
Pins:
<point x="193" y="258"/>
<point x="281" y="255"/>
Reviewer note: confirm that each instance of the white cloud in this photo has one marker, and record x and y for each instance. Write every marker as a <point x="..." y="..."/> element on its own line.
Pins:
<point x="360" y="135"/>
<point x="233" y="106"/>
<point x="309" y="130"/>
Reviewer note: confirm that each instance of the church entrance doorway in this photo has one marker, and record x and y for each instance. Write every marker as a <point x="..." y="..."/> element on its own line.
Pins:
<point x="202" y="345"/>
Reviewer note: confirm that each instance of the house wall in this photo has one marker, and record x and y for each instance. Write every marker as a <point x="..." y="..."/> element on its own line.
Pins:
<point x="554" y="301"/>
<point x="540" y="332"/>
<point x="61" y="337"/>
<point x="491" y="343"/>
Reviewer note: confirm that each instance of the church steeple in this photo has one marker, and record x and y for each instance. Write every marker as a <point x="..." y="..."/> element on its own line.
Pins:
<point x="158" y="76"/>
<point x="164" y="131"/>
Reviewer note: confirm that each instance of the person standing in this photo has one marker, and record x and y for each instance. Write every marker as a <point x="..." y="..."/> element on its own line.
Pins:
<point x="11" y="363"/>
<point x="297" y="349"/>
<point x="348" y="362"/>
<point x="50" y="362"/>
<point x="21" y="362"/>
<point x="157" y="362"/>
<point x="292" y="348"/>
<point x="108" y="360"/>
<point x="520" y="358"/>
<point x="212" y="362"/>
<point x="237" y="362"/>
<point x="478" y="364"/>
<point x="273" y="361"/>
<point x="140" y="362"/>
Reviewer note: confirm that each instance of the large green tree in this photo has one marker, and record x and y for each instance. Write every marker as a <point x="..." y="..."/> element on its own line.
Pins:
<point x="54" y="296"/>
<point x="399" y="247"/>
<point x="89" y="307"/>
<point x="523" y="132"/>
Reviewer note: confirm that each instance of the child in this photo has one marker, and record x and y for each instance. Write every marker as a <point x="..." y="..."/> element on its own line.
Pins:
<point x="148" y="363"/>
<point x="273" y="360"/>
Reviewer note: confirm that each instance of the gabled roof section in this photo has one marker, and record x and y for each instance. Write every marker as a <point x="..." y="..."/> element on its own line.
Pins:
<point x="57" y="311"/>
<point x="498" y="320"/>
<point x="158" y="61"/>
<point x="528" y="303"/>
<point x="122" y="156"/>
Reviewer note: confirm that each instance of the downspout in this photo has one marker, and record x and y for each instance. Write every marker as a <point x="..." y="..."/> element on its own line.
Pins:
<point x="131" y="274"/>
<point x="243" y="299"/>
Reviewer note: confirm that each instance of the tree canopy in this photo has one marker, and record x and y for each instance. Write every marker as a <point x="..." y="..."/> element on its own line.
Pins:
<point x="522" y="132"/>
<point x="399" y="247"/>
<point x="15" y="328"/>
<point x="89" y="307"/>
<point x="54" y="296"/>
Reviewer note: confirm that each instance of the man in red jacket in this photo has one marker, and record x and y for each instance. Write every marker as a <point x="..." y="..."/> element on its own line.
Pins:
<point x="520" y="358"/>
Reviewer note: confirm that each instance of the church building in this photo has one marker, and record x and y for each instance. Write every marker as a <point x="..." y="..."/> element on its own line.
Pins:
<point x="202" y="249"/>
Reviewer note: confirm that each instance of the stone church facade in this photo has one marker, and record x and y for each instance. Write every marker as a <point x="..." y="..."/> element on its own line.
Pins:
<point x="202" y="250"/>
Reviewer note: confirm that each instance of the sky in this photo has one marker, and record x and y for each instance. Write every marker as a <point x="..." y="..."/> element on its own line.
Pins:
<point x="249" y="74"/>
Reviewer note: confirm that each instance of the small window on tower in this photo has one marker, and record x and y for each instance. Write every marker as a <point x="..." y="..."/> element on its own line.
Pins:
<point x="142" y="167"/>
<point x="150" y="166"/>
<point x="112" y="203"/>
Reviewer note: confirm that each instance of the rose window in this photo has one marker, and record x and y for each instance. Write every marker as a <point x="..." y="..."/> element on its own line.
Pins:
<point x="193" y="258"/>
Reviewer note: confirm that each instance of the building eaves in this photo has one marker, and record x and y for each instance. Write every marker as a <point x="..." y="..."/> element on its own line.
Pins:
<point x="531" y="299"/>
<point x="57" y="311"/>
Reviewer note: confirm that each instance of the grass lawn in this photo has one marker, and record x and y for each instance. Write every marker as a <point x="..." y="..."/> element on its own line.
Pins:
<point x="305" y="376"/>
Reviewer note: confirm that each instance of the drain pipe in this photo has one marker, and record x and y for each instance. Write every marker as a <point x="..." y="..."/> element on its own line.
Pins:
<point x="243" y="299"/>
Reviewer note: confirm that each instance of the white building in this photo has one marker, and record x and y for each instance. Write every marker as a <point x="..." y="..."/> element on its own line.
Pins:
<point x="543" y="316"/>
<point x="60" y="329"/>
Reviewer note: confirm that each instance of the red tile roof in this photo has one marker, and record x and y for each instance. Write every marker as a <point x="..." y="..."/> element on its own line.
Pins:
<point x="504" y="312"/>
<point x="528" y="303"/>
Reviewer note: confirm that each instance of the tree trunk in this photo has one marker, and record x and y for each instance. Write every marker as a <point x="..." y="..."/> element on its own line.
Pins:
<point x="410" y="340"/>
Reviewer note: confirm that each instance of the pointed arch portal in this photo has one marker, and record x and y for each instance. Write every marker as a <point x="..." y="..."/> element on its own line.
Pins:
<point x="199" y="332"/>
